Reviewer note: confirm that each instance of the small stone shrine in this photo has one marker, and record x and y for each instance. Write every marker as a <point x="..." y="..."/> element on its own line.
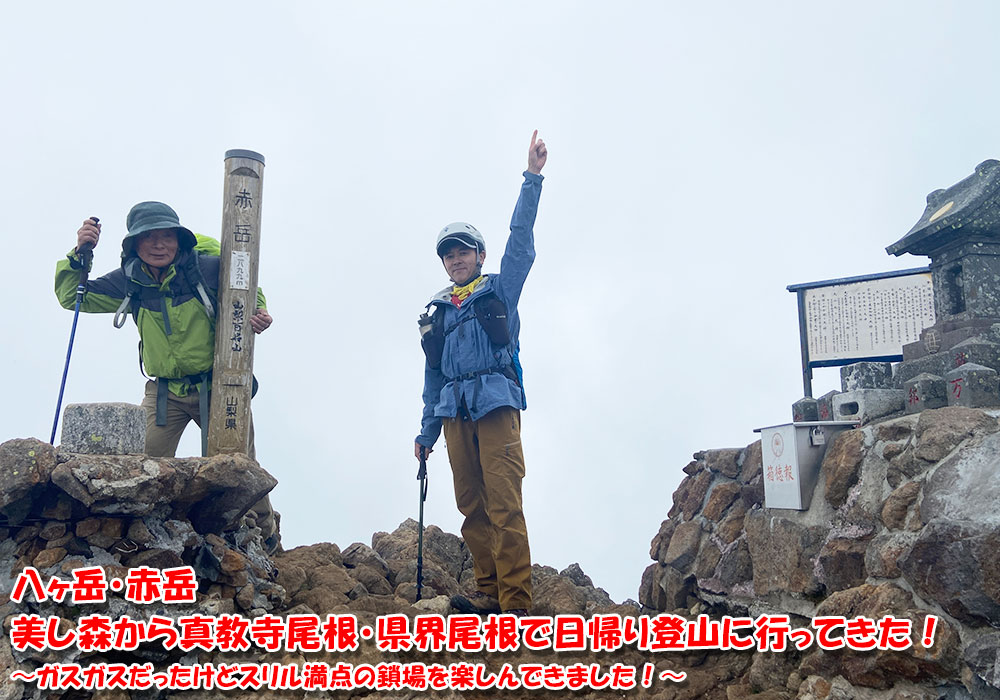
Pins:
<point x="959" y="355"/>
<point x="957" y="360"/>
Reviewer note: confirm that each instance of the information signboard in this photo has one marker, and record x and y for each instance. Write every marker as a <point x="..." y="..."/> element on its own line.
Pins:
<point x="867" y="318"/>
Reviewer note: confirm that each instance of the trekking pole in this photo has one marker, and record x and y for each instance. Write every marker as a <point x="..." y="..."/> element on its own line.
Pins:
<point x="422" y="477"/>
<point x="85" y="253"/>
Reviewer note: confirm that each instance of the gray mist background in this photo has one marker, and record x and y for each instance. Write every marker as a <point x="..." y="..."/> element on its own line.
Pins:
<point x="701" y="159"/>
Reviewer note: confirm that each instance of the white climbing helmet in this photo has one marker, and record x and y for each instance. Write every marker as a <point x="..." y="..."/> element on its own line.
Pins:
<point x="463" y="233"/>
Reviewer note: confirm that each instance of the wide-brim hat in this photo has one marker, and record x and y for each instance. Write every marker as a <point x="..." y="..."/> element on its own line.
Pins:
<point x="150" y="216"/>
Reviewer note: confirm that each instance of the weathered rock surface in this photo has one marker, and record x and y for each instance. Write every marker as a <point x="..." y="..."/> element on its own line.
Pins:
<point x="24" y="466"/>
<point x="684" y="546"/>
<point x="841" y="563"/>
<point x="783" y="552"/>
<point x="213" y="493"/>
<point x="940" y="431"/>
<point x="897" y="505"/>
<point x="841" y="464"/>
<point x="903" y="522"/>
<point x="957" y="565"/>
<point x="725" y="461"/>
<point x="983" y="659"/>
<point x="104" y="428"/>
<point x="689" y="496"/>
<point x="964" y="486"/>
<point x="122" y="512"/>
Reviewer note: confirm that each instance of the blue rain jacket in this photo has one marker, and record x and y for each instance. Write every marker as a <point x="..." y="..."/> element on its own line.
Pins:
<point x="467" y="348"/>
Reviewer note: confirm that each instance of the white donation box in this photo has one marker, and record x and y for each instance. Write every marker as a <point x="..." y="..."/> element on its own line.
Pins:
<point x="792" y="456"/>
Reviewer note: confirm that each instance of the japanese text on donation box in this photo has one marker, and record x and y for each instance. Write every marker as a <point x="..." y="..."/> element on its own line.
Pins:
<point x="875" y="318"/>
<point x="782" y="479"/>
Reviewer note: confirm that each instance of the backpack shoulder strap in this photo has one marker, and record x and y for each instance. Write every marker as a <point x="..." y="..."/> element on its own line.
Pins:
<point x="132" y="289"/>
<point x="192" y="270"/>
<point x="491" y="313"/>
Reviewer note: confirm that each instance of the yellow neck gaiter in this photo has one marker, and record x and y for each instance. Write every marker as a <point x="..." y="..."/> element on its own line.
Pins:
<point x="462" y="293"/>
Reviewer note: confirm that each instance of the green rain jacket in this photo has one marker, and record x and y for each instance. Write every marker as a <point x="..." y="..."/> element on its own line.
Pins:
<point x="178" y="337"/>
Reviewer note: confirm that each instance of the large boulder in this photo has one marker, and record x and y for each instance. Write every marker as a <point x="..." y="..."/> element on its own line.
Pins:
<point x="214" y="493"/>
<point x="399" y="547"/>
<point x="665" y="588"/>
<point x="25" y="465"/>
<point x="941" y="430"/>
<point x="842" y="463"/>
<point x="735" y="567"/>
<point x="124" y="485"/>
<point x="222" y="489"/>
<point x="359" y="554"/>
<point x="753" y="462"/>
<point x="315" y="576"/>
<point x="956" y="564"/>
<point x="982" y="657"/>
<point x="684" y="545"/>
<point x="896" y="508"/>
<point x="783" y="554"/>
<point x="723" y="495"/>
<point x="966" y="486"/>
<point x="555" y="595"/>
<point x="690" y="495"/>
<point x="842" y="563"/>
<point x="726" y="461"/>
<point x="882" y="669"/>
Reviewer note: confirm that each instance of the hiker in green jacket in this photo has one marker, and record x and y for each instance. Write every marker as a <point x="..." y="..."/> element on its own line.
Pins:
<point x="168" y="282"/>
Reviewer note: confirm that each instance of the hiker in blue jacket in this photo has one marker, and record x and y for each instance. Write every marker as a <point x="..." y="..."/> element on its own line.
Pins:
<point x="473" y="390"/>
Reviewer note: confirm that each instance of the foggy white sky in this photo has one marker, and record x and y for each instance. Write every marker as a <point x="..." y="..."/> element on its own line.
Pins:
<point x="701" y="159"/>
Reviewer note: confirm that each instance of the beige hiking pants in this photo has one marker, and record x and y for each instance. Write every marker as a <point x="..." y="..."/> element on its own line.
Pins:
<point x="488" y="465"/>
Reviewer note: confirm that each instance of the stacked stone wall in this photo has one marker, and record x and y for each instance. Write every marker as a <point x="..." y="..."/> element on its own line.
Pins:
<point x="904" y="521"/>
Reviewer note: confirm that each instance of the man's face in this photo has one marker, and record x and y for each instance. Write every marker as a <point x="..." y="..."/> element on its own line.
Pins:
<point x="462" y="263"/>
<point x="157" y="248"/>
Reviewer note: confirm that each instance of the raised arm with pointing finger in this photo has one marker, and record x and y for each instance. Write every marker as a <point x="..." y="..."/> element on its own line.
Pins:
<point x="473" y="389"/>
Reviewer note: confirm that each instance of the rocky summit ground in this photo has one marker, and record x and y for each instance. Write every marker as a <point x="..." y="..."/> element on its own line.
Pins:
<point x="903" y="526"/>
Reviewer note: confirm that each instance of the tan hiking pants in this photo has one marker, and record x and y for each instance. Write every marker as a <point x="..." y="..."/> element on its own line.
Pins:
<point x="487" y="464"/>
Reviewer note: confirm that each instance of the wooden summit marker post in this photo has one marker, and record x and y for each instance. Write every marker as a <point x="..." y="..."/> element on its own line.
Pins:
<point x="232" y="374"/>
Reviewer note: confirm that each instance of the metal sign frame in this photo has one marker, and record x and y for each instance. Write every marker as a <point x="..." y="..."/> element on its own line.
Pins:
<point x="800" y="293"/>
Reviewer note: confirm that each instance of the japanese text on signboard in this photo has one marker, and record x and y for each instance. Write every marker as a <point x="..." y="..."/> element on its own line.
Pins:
<point x="874" y="318"/>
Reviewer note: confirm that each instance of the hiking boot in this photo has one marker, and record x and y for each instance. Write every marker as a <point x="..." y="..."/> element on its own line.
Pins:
<point x="476" y="603"/>
<point x="516" y="612"/>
